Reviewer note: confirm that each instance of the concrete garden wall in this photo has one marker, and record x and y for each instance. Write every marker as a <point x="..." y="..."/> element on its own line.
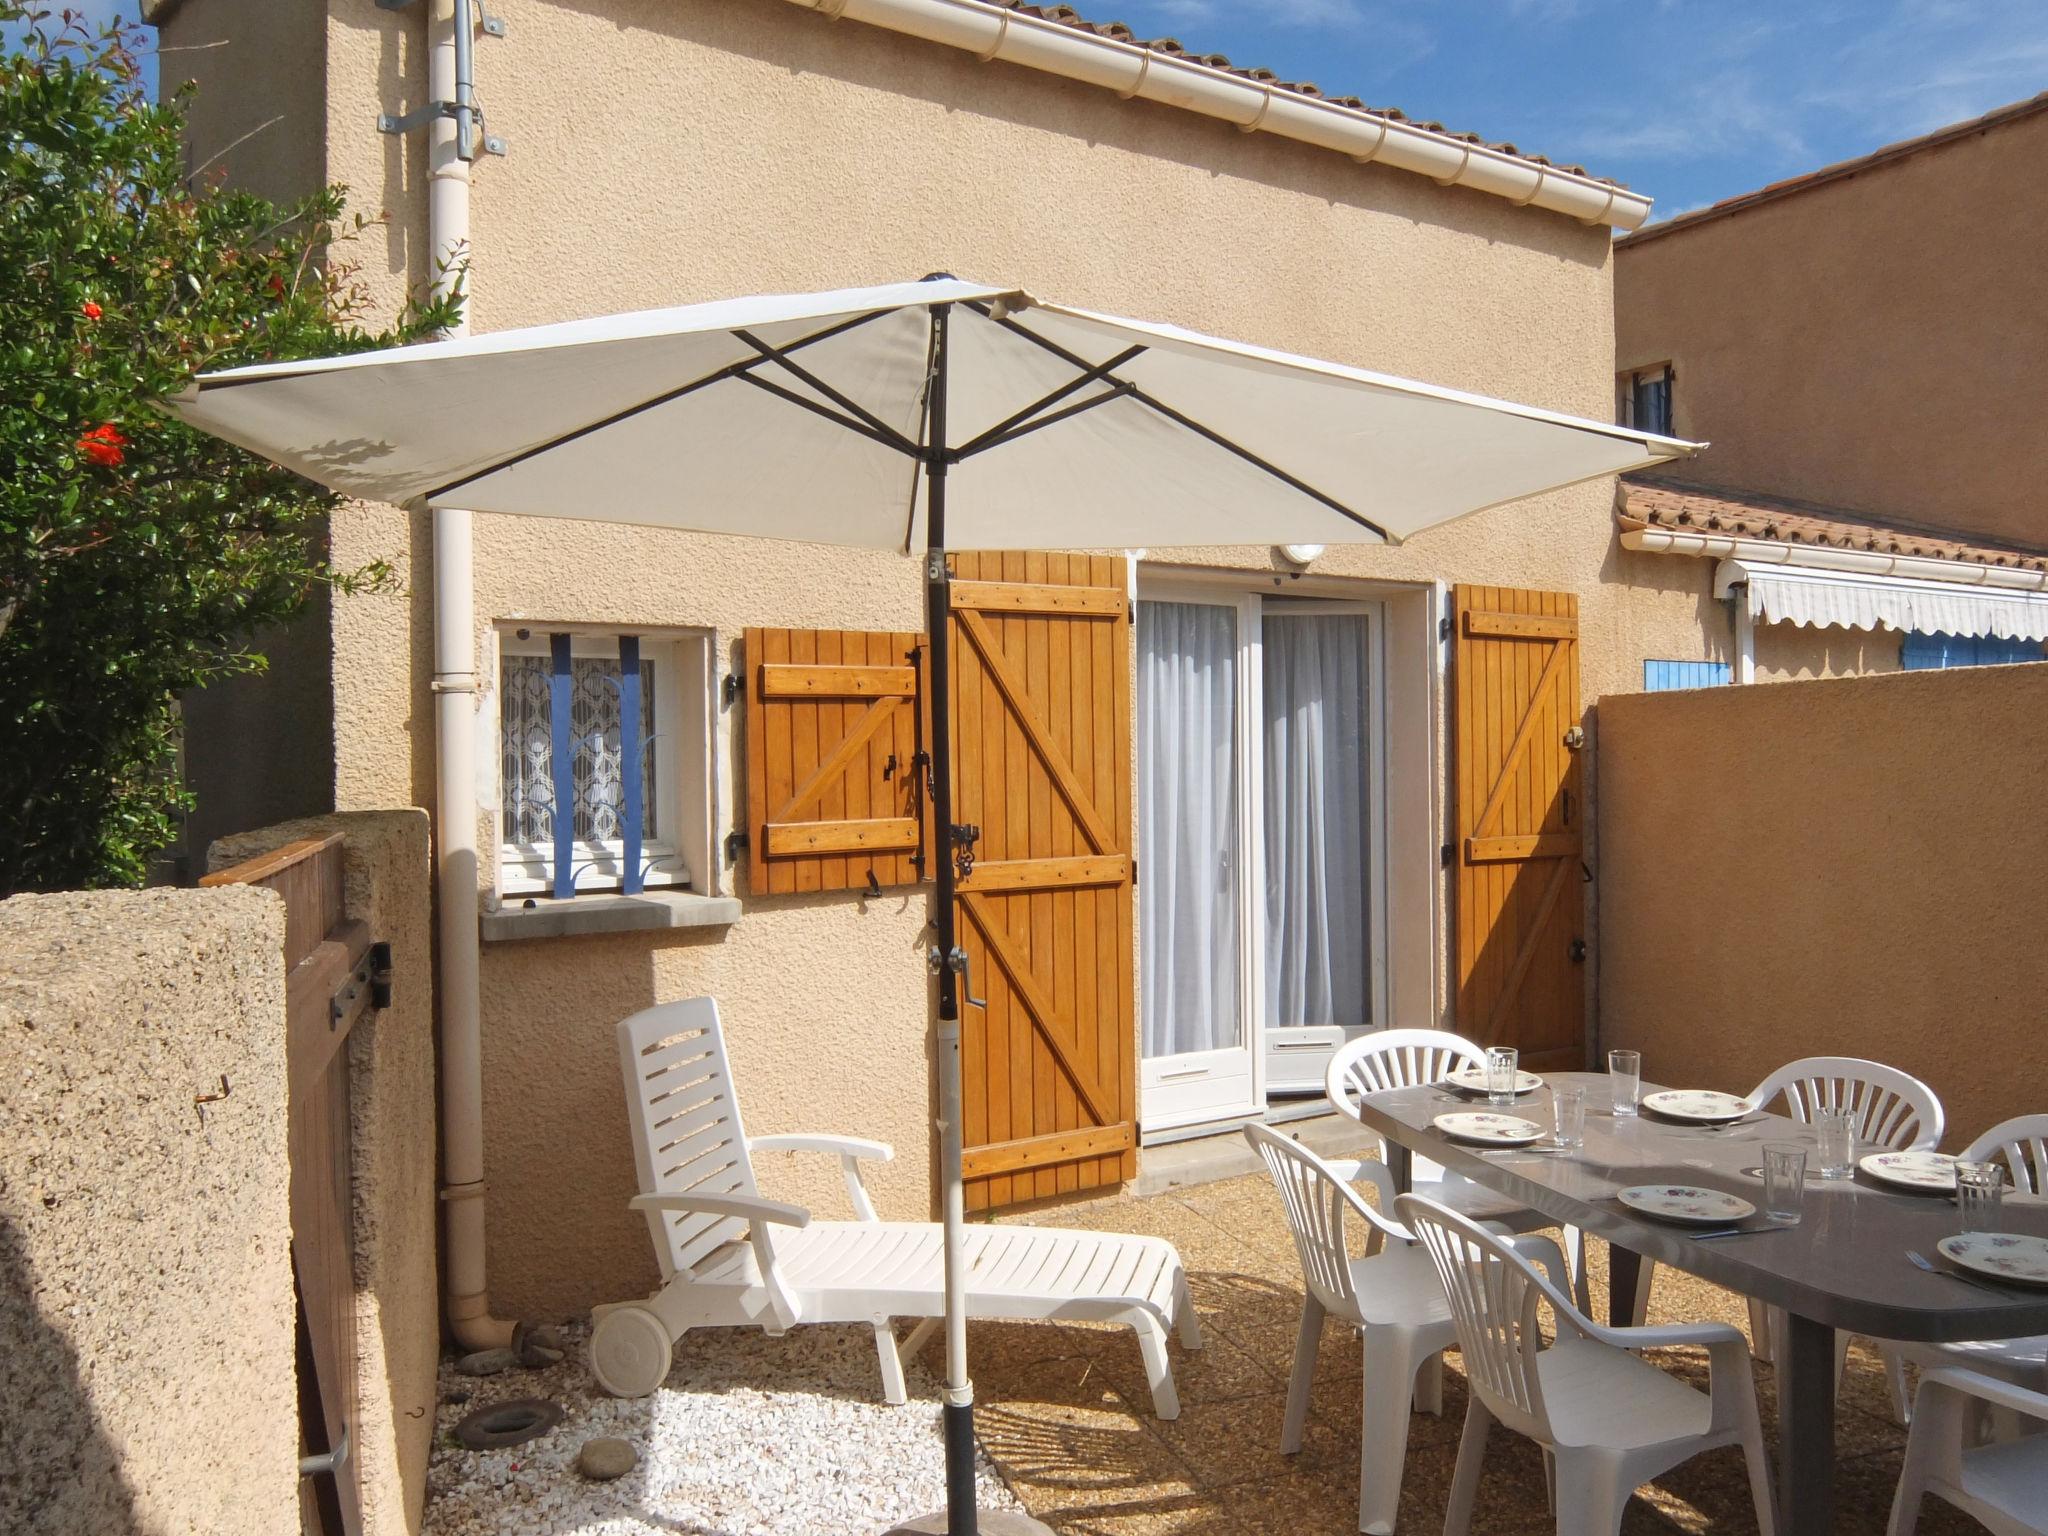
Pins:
<point x="146" y="1335"/>
<point x="1844" y="867"/>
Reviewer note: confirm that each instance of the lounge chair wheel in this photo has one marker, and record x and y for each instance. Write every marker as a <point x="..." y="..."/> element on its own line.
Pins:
<point x="629" y="1351"/>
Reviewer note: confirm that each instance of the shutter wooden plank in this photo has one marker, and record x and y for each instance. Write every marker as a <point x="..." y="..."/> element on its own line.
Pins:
<point x="1519" y="822"/>
<point x="1051" y="1091"/>
<point x="829" y="713"/>
<point x="1038" y="597"/>
<point x="837" y="682"/>
<point x="1064" y="1149"/>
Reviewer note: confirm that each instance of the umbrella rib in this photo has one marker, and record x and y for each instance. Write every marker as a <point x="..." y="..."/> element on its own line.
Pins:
<point x="737" y="370"/>
<point x="1118" y="391"/>
<point x="1001" y="430"/>
<point x="1180" y="419"/>
<point x="885" y="437"/>
<point x="879" y="429"/>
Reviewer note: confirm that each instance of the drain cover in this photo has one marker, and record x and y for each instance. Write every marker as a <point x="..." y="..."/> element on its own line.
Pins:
<point x="513" y="1423"/>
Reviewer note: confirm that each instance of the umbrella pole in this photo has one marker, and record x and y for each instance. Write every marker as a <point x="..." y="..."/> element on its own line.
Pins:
<point x="959" y="1392"/>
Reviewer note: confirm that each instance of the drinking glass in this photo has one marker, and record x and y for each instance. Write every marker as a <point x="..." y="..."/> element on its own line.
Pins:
<point x="1979" y="1187"/>
<point x="1568" y="1105"/>
<point x="1784" y="1182"/>
<point x="1837" y="1131"/>
<point x="1503" y="1070"/>
<point x="1625" y="1076"/>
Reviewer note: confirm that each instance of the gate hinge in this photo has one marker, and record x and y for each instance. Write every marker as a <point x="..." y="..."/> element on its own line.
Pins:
<point x="367" y="986"/>
<point x="734" y="842"/>
<point x="333" y="1461"/>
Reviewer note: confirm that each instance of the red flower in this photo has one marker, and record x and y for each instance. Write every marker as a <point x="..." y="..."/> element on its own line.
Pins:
<point x="103" y="444"/>
<point x="90" y="310"/>
<point x="276" y="285"/>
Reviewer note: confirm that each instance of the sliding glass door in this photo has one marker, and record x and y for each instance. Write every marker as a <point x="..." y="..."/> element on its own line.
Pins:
<point x="1260" y="885"/>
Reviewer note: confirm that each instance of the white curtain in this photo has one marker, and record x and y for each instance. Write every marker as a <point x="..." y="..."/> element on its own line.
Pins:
<point x="1188" y="845"/>
<point x="1316" y="758"/>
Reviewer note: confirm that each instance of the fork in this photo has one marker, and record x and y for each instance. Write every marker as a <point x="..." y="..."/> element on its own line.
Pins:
<point x="1921" y="1261"/>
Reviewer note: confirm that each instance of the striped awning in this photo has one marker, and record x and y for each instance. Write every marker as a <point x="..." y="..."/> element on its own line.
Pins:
<point x="1820" y="599"/>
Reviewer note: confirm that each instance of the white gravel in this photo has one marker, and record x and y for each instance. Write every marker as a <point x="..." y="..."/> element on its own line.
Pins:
<point x="750" y="1436"/>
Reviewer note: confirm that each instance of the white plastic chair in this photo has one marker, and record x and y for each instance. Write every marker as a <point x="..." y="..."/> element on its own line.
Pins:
<point x="730" y="1259"/>
<point x="1609" y="1420"/>
<point x="1392" y="1296"/>
<point x="2021" y="1144"/>
<point x="2003" y="1485"/>
<point x="1895" y="1112"/>
<point x="1413" y="1058"/>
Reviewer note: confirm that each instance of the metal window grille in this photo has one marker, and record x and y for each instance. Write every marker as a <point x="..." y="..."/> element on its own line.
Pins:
<point x="576" y="731"/>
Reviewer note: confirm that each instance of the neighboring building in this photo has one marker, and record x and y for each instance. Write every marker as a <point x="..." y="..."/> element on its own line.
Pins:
<point x="685" y="150"/>
<point x="1866" y="350"/>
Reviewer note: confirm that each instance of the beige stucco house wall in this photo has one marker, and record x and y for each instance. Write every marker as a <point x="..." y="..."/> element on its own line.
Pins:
<point x="1869" y="338"/>
<point x="668" y="151"/>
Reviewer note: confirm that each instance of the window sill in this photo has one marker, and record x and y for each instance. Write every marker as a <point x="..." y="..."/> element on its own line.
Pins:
<point x="548" y="918"/>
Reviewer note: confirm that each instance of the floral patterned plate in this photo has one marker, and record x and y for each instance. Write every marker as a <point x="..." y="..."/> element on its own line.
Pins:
<point x="1697" y="1104"/>
<point x="1494" y="1130"/>
<point x="2013" y="1257"/>
<point x="1471" y="1078"/>
<point x="1930" y="1172"/>
<point x="1687" y="1203"/>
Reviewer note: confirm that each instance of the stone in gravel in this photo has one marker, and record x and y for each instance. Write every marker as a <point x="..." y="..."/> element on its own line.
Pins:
<point x="487" y="1362"/>
<point x="539" y="1348"/>
<point x="605" y="1458"/>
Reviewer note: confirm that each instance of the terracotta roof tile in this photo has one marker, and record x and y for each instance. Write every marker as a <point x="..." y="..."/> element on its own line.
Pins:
<point x="1681" y="507"/>
<point x="1067" y="16"/>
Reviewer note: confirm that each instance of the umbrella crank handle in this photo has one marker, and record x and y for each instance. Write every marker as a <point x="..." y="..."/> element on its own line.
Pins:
<point x="958" y="964"/>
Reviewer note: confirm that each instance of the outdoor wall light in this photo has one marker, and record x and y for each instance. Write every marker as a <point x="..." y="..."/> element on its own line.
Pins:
<point x="1300" y="554"/>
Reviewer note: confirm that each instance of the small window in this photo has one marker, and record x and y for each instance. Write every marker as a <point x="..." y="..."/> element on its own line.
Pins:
<point x="1926" y="652"/>
<point x="1644" y="399"/>
<point x="1669" y="676"/>
<point x="622" y="834"/>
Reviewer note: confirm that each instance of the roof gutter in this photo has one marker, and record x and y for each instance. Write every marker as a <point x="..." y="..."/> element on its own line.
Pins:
<point x="1665" y="541"/>
<point x="994" y="32"/>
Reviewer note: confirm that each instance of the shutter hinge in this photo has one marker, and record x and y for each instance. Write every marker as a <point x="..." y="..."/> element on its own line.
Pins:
<point x="1445" y="854"/>
<point x="730" y="688"/>
<point x="734" y="842"/>
<point x="1134" y="874"/>
<point x="367" y="986"/>
<point x="1443" y="627"/>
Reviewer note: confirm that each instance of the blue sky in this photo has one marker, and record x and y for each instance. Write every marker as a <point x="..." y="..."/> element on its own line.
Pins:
<point x="1688" y="100"/>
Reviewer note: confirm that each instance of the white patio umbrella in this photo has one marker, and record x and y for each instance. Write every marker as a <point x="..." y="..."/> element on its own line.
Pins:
<point x="923" y="417"/>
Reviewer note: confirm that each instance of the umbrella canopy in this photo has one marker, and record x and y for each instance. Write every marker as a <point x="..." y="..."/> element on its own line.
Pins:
<point x="800" y="417"/>
<point x="921" y="416"/>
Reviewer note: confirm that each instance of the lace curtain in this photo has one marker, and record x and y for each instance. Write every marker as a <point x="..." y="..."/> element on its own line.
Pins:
<point x="527" y="740"/>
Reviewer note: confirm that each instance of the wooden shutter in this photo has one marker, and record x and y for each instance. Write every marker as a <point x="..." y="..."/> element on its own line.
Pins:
<point x="832" y="740"/>
<point x="1041" y="710"/>
<point x="1521" y="910"/>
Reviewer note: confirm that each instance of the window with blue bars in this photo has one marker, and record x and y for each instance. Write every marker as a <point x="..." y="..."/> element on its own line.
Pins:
<point x="1668" y="676"/>
<point x="1924" y="652"/>
<point x="581" y="766"/>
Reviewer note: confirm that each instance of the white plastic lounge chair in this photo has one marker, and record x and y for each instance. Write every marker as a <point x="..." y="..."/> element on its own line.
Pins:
<point x="730" y="1259"/>
<point x="2003" y="1485"/>
<point x="1609" y="1420"/>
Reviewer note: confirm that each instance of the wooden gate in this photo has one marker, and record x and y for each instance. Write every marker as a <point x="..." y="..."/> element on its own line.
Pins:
<point x="333" y="973"/>
<point x="1521" y="911"/>
<point x="1041" y="712"/>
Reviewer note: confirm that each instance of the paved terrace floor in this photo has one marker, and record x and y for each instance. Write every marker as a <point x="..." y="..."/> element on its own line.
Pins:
<point x="1065" y="1415"/>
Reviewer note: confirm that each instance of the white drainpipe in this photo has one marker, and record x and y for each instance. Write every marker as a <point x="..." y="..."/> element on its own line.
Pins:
<point x="455" y="808"/>
<point x="992" y="32"/>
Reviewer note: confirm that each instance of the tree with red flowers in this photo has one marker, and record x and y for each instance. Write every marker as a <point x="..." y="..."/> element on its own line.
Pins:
<point x="138" y="557"/>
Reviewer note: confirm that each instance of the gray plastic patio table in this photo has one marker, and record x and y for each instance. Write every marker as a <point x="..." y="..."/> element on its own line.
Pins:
<point x="1843" y="1267"/>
